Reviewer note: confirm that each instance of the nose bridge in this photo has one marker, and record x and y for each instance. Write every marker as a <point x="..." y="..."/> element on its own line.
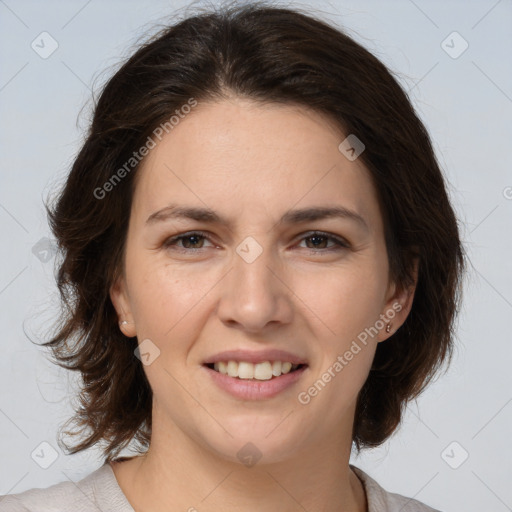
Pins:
<point x="252" y="263"/>
<point x="254" y="295"/>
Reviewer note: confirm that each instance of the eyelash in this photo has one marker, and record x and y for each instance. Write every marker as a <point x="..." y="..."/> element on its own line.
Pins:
<point x="341" y="244"/>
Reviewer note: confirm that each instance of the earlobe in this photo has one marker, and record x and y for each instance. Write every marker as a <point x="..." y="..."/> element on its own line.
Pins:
<point x="121" y="304"/>
<point x="127" y="328"/>
<point x="399" y="305"/>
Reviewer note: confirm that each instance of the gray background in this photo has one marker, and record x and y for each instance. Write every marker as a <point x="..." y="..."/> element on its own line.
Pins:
<point x="466" y="103"/>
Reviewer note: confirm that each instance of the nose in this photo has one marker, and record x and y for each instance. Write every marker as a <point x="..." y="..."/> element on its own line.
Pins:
<point x="255" y="293"/>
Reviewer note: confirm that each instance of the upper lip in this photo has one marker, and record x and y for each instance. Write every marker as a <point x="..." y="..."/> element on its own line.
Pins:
<point x="255" y="357"/>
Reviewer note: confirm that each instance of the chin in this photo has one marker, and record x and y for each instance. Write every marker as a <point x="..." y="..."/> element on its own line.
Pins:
<point x="266" y="442"/>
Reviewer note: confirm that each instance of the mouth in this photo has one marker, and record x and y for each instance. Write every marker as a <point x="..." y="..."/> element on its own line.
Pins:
<point x="263" y="371"/>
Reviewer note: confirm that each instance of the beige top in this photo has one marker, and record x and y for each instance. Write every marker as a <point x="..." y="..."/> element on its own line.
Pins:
<point x="100" y="492"/>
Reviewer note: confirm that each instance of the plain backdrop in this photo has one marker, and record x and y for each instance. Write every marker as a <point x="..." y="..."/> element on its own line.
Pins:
<point x="454" y="449"/>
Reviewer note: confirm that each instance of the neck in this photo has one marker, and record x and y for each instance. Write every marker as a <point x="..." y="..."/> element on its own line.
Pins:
<point x="177" y="473"/>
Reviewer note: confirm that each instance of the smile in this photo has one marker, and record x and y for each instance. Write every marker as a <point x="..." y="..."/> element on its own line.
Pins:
<point x="250" y="381"/>
<point x="265" y="370"/>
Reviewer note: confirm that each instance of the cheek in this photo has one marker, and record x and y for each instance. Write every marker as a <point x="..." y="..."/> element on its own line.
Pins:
<point x="344" y="305"/>
<point x="341" y="301"/>
<point x="167" y="298"/>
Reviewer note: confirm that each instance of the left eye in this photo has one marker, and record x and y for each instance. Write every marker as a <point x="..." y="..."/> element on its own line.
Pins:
<point x="318" y="239"/>
<point x="318" y="236"/>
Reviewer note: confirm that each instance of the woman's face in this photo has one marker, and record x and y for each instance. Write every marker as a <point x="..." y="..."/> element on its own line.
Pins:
<point x="257" y="280"/>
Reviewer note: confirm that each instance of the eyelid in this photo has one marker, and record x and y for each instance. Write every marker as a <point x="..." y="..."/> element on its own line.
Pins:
<point x="176" y="238"/>
<point x="339" y="241"/>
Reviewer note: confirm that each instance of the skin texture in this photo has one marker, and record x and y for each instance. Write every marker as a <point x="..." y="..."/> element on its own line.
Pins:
<point x="251" y="163"/>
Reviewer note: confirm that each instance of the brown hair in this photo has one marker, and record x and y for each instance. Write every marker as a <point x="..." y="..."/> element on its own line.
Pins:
<point x="274" y="55"/>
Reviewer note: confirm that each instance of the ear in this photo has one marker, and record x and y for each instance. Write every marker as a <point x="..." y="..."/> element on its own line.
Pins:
<point x="120" y="300"/>
<point x="398" y="305"/>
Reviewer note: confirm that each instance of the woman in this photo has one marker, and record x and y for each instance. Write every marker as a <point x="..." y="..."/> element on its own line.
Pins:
<point x="261" y="267"/>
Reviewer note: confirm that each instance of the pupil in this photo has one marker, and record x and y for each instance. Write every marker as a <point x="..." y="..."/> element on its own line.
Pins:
<point x="317" y="238"/>
<point x="195" y="237"/>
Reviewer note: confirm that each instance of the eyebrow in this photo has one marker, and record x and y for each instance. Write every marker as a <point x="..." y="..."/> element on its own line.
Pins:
<point x="290" y="217"/>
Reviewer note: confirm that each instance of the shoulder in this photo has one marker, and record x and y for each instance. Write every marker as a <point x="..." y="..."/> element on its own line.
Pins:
<point x="380" y="500"/>
<point x="89" y="494"/>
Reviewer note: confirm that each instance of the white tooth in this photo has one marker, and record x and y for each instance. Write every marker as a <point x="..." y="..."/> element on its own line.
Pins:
<point x="260" y="371"/>
<point x="263" y="371"/>
<point x="276" y="368"/>
<point x="223" y="367"/>
<point x="245" y="370"/>
<point x="286" y="367"/>
<point x="232" y="368"/>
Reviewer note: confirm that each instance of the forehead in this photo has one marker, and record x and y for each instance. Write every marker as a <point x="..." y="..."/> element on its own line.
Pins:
<point x="237" y="155"/>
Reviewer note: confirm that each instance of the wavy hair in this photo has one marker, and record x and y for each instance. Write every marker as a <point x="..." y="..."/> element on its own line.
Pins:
<point x="272" y="55"/>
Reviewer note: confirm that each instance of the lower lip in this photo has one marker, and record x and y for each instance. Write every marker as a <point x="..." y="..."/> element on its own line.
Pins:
<point x="255" y="389"/>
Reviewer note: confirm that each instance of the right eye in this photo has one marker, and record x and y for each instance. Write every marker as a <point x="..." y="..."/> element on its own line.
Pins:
<point x="188" y="240"/>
